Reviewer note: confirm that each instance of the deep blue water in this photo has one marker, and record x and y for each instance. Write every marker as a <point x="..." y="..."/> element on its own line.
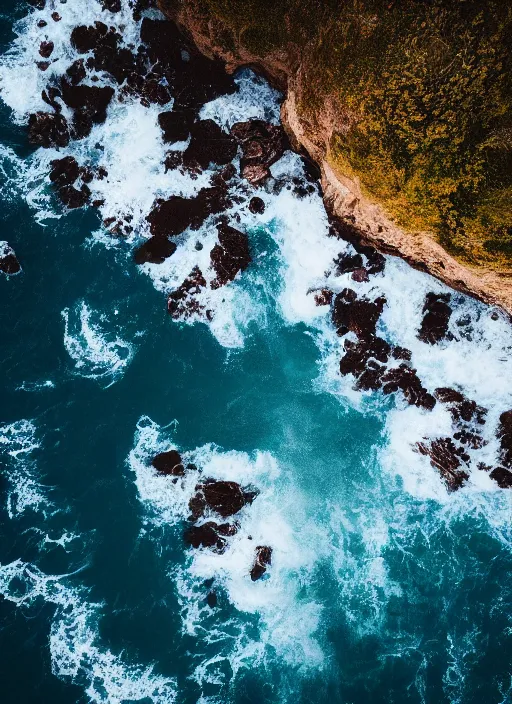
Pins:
<point x="412" y="598"/>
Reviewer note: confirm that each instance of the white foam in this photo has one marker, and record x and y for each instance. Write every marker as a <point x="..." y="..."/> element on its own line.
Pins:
<point x="17" y="441"/>
<point x="288" y="618"/>
<point x="95" y="356"/>
<point x="75" y="647"/>
<point x="255" y="99"/>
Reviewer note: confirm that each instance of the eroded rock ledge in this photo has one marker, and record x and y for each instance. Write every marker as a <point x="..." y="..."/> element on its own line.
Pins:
<point x="342" y="195"/>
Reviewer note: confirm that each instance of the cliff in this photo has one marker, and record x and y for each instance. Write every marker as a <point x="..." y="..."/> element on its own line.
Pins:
<point x="459" y="235"/>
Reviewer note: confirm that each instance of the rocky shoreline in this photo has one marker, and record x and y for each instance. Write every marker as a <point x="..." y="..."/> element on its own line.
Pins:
<point x="342" y="195"/>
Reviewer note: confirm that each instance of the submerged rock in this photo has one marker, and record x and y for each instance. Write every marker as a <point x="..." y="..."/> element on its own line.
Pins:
<point x="169" y="463"/>
<point x="9" y="263"/>
<point x="182" y="303"/>
<point x="48" y="130"/>
<point x="262" y="145"/>
<point x="437" y="313"/>
<point x="447" y="458"/>
<point x="223" y="497"/>
<point x="262" y="560"/>
<point x="358" y="315"/>
<point x="230" y="256"/>
<point x="155" y="250"/>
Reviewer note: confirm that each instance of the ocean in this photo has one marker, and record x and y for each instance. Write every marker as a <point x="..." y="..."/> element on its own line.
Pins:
<point x="384" y="586"/>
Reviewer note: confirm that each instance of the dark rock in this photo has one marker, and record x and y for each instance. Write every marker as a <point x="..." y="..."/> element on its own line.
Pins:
<point x="43" y="65"/>
<point x="371" y="378"/>
<point x="211" y="600"/>
<point x="345" y="263"/>
<point x="111" y="5"/>
<point x="460" y="407"/>
<point x="447" y="458"/>
<point x="85" y="39"/>
<point x="9" y="263"/>
<point x="163" y="42"/>
<point x="311" y="169"/>
<point x="406" y="380"/>
<point x="222" y="497"/>
<point x="262" y="560"/>
<point x="181" y="303"/>
<point x="176" y="126"/>
<point x="208" y="143"/>
<point x="210" y="535"/>
<point x="171" y="217"/>
<point x="153" y="92"/>
<point x="155" y="250"/>
<point x="262" y="145"/>
<point x="74" y="197"/>
<point x="76" y="72"/>
<point x="50" y="97"/>
<point x="360" y="275"/>
<point x="359" y="315"/>
<point x="169" y="463"/>
<point x="402" y="353"/>
<point x="56" y="17"/>
<point x="503" y="477"/>
<point x="505" y="436"/>
<point x="256" y="206"/>
<point x="230" y="256"/>
<point x="346" y="230"/>
<point x="46" y="49"/>
<point x="436" y="317"/>
<point x="358" y="354"/>
<point x="323" y="297"/>
<point x="89" y="103"/>
<point x="173" y="160"/>
<point x="64" y="171"/>
<point x="200" y="80"/>
<point x="41" y="23"/>
<point x="469" y="439"/>
<point x="48" y="130"/>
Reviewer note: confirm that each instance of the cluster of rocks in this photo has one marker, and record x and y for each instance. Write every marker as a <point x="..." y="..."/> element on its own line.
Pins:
<point x="377" y="365"/>
<point x="9" y="263"/>
<point x="165" y="64"/>
<point x="213" y="508"/>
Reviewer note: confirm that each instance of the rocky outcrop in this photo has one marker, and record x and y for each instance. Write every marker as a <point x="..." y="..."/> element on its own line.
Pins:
<point x="262" y="561"/>
<point x="436" y="317"/>
<point x="343" y="194"/>
<point x="230" y="256"/>
<point x="221" y="497"/>
<point x="9" y="263"/>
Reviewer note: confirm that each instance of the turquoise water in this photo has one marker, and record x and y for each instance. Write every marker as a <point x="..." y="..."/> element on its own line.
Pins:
<point x="381" y="590"/>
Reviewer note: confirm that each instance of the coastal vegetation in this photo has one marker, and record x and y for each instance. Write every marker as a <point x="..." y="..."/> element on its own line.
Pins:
<point x="423" y="89"/>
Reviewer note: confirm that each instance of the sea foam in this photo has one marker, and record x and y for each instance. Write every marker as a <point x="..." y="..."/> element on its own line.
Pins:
<point x="77" y="654"/>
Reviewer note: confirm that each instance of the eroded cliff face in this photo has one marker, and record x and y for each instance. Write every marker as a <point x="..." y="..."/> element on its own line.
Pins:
<point x="343" y="195"/>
